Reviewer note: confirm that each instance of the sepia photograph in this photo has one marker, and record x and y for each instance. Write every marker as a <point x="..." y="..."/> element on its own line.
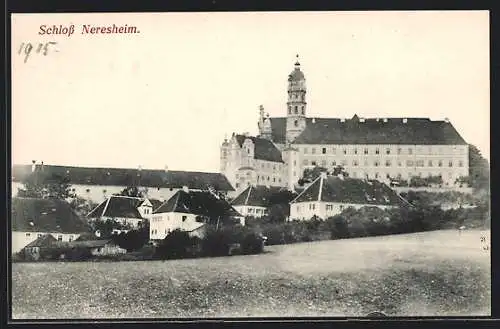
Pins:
<point x="250" y="165"/>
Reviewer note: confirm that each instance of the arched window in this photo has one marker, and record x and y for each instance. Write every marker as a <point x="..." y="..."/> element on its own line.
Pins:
<point x="296" y="123"/>
<point x="296" y="110"/>
<point x="303" y="111"/>
<point x="289" y="109"/>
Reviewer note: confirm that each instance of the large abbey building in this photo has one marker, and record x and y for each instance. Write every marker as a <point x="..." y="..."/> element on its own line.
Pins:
<point x="375" y="148"/>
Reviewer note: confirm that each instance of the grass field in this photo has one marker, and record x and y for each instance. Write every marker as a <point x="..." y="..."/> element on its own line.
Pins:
<point x="426" y="274"/>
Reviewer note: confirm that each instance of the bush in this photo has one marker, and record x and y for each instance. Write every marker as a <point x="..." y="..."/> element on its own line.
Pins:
<point x="252" y="243"/>
<point x="217" y="242"/>
<point x="177" y="244"/>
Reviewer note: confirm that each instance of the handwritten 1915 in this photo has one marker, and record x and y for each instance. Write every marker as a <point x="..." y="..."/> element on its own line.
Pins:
<point x="27" y="48"/>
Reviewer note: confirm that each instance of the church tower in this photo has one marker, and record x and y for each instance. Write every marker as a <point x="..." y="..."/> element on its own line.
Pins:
<point x="296" y="104"/>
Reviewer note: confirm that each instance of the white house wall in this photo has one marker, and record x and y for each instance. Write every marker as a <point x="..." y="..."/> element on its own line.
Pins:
<point x="324" y="210"/>
<point x="22" y="239"/>
<point x="251" y="210"/>
<point x="164" y="223"/>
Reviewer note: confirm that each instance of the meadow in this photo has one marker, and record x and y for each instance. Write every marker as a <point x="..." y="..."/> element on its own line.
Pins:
<point x="440" y="273"/>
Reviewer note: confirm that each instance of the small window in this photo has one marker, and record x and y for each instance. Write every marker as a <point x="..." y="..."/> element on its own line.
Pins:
<point x="289" y="110"/>
<point x="376" y="163"/>
<point x="345" y="151"/>
<point x="59" y="238"/>
<point x="399" y="150"/>
<point x="366" y="151"/>
<point x="410" y="151"/>
<point x="313" y="150"/>
<point x="460" y="163"/>
<point x="324" y="150"/>
<point x="355" y="163"/>
<point x="450" y="163"/>
<point x="306" y="162"/>
<point x="377" y="151"/>
<point x="329" y="207"/>
<point x="355" y="151"/>
<point x="296" y="110"/>
<point x="409" y="163"/>
<point x="440" y="163"/>
<point x="323" y="163"/>
<point x="376" y="175"/>
<point x="70" y="238"/>
<point x="303" y="110"/>
<point x="296" y="123"/>
<point x="313" y="163"/>
<point x="184" y="218"/>
<point x="341" y="207"/>
<point x="387" y="151"/>
<point x="334" y="163"/>
<point x="387" y="163"/>
<point x="430" y="163"/>
<point x="305" y="150"/>
<point x="334" y="150"/>
<point x="28" y="234"/>
<point x="39" y="235"/>
<point x="294" y="162"/>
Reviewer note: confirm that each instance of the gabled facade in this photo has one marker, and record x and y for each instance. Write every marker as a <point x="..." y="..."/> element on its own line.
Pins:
<point x="328" y="196"/>
<point x="190" y="211"/>
<point x="34" y="218"/>
<point x="255" y="200"/>
<point x="124" y="209"/>
<point x="382" y="149"/>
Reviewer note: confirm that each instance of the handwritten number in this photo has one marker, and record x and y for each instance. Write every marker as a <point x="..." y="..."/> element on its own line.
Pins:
<point x="28" y="48"/>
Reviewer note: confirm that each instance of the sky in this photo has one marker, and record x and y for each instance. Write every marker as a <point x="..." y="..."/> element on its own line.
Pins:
<point x="168" y="96"/>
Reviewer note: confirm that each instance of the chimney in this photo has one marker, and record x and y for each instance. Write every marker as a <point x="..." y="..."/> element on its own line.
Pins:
<point x="185" y="189"/>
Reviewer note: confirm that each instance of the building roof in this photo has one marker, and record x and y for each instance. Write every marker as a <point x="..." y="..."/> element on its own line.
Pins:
<point x="45" y="215"/>
<point x="45" y="240"/>
<point x="155" y="203"/>
<point x="259" y="196"/>
<point x="198" y="203"/>
<point x="264" y="149"/>
<point x="130" y="177"/>
<point x="296" y="74"/>
<point x="350" y="190"/>
<point x="118" y="206"/>
<point x="410" y="131"/>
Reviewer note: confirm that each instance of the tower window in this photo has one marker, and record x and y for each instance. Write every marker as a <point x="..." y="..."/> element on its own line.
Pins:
<point x="296" y="122"/>
<point x="324" y="150"/>
<point x="303" y="110"/>
<point x="289" y="110"/>
<point x="296" y="109"/>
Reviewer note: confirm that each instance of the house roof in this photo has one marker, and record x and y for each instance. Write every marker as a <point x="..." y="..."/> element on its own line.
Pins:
<point x="371" y="131"/>
<point x="198" y="203"/>
<point x="156" y="203"/>
<point x="130" y="177"/>
<point x="118" y="206"/>
<point x="45" y="240"/>
<point x="264" y="149"/>
<point x="45" y="215"/>
<point x="259" y="196"/>
<point x="350" y="190"/>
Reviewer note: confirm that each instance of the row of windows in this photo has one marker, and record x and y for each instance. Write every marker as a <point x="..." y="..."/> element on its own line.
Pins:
<point x="256" y="211"/>
<point x="377" y="175"/>
<point x="59" y="237"/>
<point x="268" y="179"/>
<point x="388" y="150"/>
<point x="312" y="206"/>
<point x="387" y="163"/>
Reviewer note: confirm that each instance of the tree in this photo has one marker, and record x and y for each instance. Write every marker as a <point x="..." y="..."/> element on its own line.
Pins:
<point x="134" y="239"/>
<point x="309" y="175"/>
<point x="40" y="184"/>
<point x="132" y="191"/>
<point x="81" y="206"/>
<point x="339" y="170"/>
<point x="479" y="169"/>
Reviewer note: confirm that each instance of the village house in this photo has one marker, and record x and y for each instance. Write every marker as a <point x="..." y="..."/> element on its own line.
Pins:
<point x="32" y="218"/>
<point x="329" y="195"/>
<point x="255" y="201"/>
<point x="126" y="210"/>
<point x="191" y="211"/>
<point x="97" y="184"/>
